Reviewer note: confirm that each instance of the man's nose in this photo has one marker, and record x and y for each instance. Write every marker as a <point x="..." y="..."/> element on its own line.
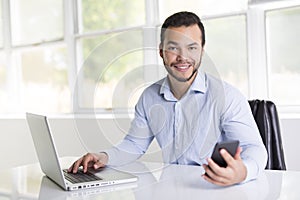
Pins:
<point x="182" y="55"/>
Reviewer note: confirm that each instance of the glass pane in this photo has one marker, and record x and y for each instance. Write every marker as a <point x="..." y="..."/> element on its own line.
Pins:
<point x="45" y="79"/>
<point x="3" y="85"/>
<point x="34" y="21"/>
<point x="283" y="42"/>
<point x="226" y="46"/>
<point x="1" y="25"/>
<point x="201" y="7"/>
<point x="87" y="45"/>
<point x="112" y="72"/>
<point x="107" y="14"/>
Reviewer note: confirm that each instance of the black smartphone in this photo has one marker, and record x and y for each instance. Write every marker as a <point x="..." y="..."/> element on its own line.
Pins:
<point x="230" y="146"/>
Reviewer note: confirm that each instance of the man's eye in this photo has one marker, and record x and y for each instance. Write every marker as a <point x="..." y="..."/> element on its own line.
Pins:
<point x="172" y="48"/>
<point x="193" y="48"/>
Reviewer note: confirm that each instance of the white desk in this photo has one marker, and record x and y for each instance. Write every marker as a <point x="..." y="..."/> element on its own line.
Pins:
<point x="155" y="182"/>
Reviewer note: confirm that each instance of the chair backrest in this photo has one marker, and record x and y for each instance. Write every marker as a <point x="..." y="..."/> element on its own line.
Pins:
<point x="266" y="118"/>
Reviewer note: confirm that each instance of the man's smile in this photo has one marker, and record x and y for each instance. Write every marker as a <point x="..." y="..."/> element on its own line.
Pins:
<point x="182" y="67"/>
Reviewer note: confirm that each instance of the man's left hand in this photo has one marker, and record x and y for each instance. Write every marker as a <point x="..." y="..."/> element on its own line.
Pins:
<point x="235" y="172"/>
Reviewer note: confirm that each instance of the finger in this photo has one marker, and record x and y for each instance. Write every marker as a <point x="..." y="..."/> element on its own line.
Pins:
<point x="237" y="155"/>
<point x="71" y="168"/>
<point x="208" y="171"/>
<point x="209" y="179"/>
<point x="76" y="165"/>
<point x="86" y="160"/>
<point x="214" y="170"/>
<point x="100" y="162"/>
<point x="214" y="167"/>
<point x="98" y="165"/>
<point x="226" y="156"/>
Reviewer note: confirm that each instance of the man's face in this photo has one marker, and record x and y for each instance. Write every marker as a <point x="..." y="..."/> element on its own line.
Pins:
<point x="181" y="51"/>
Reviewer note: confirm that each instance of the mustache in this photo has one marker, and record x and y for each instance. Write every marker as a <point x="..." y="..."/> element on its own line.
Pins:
<point x="183" y="79"/>
<point x="182" y="63"/>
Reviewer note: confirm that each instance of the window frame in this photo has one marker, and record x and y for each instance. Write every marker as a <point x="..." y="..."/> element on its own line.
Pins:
<point x="259" y="69"/>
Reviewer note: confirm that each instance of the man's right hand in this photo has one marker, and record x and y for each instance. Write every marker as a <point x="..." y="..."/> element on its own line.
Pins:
<point x="95" y="160"/>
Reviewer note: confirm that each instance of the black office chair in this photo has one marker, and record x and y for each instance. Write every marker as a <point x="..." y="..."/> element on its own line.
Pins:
<point x="266" y="118"/>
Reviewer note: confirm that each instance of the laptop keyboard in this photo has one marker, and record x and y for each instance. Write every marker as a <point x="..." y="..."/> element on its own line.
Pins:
<point x="80" y="176"/>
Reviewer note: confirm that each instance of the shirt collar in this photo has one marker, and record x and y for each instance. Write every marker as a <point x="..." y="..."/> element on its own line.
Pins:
<point x="198" y="85"/>
<point x="165" y="90"/>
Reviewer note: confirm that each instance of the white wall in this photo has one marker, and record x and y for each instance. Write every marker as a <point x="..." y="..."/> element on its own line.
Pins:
<point x="291" y="137"/>
<point x="72" y="136"/>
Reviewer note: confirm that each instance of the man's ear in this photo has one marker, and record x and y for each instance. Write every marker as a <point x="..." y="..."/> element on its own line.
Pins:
<point x="161" y="50"/>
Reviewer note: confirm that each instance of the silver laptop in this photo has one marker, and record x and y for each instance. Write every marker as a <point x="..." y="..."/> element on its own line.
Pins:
<point x="49" y="162"/>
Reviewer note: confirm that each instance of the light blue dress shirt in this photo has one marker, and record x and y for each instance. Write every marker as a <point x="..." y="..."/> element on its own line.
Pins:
<point x="187" y="129"/>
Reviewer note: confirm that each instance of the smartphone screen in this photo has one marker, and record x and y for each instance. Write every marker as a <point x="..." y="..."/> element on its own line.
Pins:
<point x="230" y="146"/>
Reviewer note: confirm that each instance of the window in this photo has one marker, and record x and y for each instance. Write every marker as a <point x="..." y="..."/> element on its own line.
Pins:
<point x="226" y="46"/>
<point x="202" y="8"/>
<point x="109" y="15"/>
<point x="103" y="77"/>
<point x="44" y="82"/>
<point x="63" y="56"/>
<point x="110" y="44"/>
<point x="283" y="42"/>
<point x="33" y="75"/>
<point x="35" y="21"/>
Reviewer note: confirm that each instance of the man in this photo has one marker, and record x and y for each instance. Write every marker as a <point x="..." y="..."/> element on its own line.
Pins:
<point x="188" y="112"/>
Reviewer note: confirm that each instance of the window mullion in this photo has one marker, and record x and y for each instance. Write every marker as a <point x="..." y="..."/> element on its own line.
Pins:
<point x="258" y="73"/>
<point x="14" y="70"/>
<point x="70" y="24"/>
<point x="6" y="25"/>
<point x="150" y="41"/>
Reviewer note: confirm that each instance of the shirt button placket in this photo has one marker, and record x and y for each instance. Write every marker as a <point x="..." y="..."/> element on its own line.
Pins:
<point x="177" y="126"/>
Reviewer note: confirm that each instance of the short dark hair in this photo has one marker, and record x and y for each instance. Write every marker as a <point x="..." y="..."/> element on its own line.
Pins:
<point x="182" y="19"/>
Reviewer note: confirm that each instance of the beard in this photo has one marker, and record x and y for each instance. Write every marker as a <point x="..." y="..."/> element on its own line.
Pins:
<point x="180" y="79"/>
